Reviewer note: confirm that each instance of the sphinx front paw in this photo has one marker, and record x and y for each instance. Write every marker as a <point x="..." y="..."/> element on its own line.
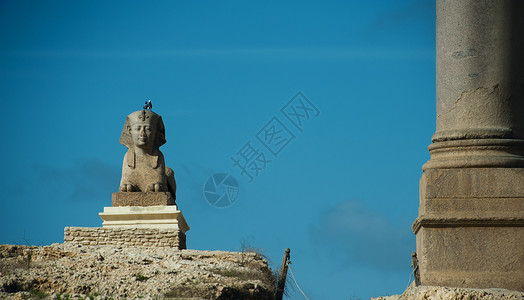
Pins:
<point x="127" y="188"/>
<point x="155" y="187"/>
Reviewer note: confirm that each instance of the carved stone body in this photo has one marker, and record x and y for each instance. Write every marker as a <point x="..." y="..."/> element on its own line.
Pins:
<point x="144" y="168"/>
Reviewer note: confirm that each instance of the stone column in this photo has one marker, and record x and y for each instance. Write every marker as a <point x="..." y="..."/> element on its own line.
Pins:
<point x="470" y="229"/>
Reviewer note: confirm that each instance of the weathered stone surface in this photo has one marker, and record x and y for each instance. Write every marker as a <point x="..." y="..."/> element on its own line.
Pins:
<point x="503" y="183"/>
<point x="480" y="70"/>
<point x="142" y="199"/>
<point x="116" y="272"/>
<point x="144" y="168"/>
<point x="480" y="257"/>
<point x="136" y="237"/>
<point x="472" y="193"/>
<point x="470" y="229"/>
<point x="444" y="293"/>
<point x="480" y="74"/>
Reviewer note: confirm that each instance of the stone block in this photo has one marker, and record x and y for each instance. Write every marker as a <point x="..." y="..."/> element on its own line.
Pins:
<point x="480" y="257"/>
<point x="128" y="237"/>
<point x="133" y="217"/>
<point x="470" y="229"/>
<point x="142" y="199"/>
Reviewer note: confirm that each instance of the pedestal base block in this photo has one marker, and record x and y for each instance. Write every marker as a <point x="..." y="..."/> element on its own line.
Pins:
<point x="470" y="229"/>
<point x="142" y="199"/>
<point x="472" y="257"/>
<point x="127" y="237"/>
<point x="168" y="217"/>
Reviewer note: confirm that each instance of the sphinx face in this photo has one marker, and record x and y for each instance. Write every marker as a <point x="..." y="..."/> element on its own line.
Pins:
<point x="143" y="134"/>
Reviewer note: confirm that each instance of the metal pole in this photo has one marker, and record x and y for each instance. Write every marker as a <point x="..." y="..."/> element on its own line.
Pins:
<point x="283" y="274"/>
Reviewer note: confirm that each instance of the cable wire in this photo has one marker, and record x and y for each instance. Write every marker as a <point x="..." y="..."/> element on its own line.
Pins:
<point x="292" y="275"/>
<point x="409" y="281"/>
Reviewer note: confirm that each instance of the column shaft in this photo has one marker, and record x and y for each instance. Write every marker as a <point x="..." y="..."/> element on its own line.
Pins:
<point x="480" y="85"/>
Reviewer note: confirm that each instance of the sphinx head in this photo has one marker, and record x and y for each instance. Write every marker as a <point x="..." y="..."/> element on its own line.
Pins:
<point x="143" y="129"/>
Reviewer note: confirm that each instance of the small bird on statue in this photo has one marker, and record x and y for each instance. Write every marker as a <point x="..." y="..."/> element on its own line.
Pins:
<point x="148" y="105"/>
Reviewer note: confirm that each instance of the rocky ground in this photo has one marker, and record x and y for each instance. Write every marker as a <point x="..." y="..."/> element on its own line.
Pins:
<point x="71" y="271"/>
<point x="444" y="293"/>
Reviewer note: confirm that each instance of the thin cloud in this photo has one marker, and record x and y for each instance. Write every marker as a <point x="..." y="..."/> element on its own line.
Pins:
<point x="358" y="236"/>
<point x="339" y="53"/>
<point x="416" y="13"/>
<point x="86" y="180"/>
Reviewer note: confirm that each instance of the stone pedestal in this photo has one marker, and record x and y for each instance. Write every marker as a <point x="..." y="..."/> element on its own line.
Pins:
<point x="142" y="199"/>
<point x="159" y="216"/>
<point x="133" y="237"/>
<point x="153" y="213"/>
<point x="149" y="219"/>
<point x="470" y="229"/>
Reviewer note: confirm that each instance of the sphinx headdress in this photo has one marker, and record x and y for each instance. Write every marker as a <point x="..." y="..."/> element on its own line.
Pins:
<point x="143" y="116"/>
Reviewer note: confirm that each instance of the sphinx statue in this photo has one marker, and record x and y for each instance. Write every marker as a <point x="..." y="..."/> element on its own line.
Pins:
<point x="144" y="168"/>
<point x="147" y="192"/>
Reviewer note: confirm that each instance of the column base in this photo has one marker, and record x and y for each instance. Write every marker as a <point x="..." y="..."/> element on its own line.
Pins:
<point x="476" y="153"/>
<point x="470" y="229"/>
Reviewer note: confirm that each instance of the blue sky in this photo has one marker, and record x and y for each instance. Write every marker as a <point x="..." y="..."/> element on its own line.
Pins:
<point x="342" y="195"/>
